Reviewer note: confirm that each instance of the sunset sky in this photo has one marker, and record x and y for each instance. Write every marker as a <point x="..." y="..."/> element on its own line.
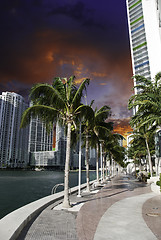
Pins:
<point x="43" y="39"/>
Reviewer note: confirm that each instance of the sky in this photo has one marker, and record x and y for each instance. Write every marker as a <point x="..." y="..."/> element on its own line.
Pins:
<point x="43" y="39"/>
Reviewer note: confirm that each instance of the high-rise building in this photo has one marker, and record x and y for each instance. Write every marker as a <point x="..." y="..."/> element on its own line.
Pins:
<point x="144" y="20"/>
<point x="13" y="140"/>
<point x="39" y="138"/>
<point x="60" y="145"/>
<point x="40" y="144"/>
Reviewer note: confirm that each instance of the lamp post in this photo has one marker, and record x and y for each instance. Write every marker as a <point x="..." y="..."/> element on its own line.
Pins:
<point x="79" y="176"/>
<point x="101" y="160"/>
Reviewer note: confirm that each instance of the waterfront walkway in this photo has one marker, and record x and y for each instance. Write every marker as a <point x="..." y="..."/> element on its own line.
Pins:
<point x="122" y="209"/>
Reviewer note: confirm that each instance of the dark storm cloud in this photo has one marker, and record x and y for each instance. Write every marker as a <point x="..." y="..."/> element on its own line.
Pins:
<point x="76" y="11"/>
<point x="42" y="39"/>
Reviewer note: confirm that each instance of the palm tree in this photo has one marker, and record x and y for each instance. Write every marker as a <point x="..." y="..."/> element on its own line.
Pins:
<point x="87" y="125"/>
<point x="113" y="148"/>
<point x="148" y="105"/>
<point x="93" y="130"/>
<point x="147" y="102"/>
<point x="60" y="101"/>
<point x="146" y="135"/>
<point x="137" y="149"/>
<point x="101" y="129"/>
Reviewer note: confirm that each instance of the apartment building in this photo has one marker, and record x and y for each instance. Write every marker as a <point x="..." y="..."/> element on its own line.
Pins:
<point x="13" y="140"/>
<point x="144" y="21"/>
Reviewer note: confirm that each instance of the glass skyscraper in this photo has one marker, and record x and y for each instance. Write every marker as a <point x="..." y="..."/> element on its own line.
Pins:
<point x="144" y="20"/>
<point x="13" y="140"/>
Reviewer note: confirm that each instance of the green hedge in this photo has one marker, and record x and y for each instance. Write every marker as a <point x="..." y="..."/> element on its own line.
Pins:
<point x="159" y="182"/>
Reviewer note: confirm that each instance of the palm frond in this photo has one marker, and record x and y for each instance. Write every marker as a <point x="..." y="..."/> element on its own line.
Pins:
<point x="45" y="94"/>
<point x="91" y="103"/>
<point x="59" y="87"/>
<point x="85" y="112"/>
<point x="70" y="87"/>
<point x="78" y="95"/>
<point x="45" y="113"/>
<point x="103" y="113"/>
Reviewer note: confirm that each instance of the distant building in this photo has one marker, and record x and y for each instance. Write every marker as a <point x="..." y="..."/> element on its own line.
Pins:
<point x="45" y="159"/>
<point x="32" y="145"/>
<point x="39" y="138"/>
<point x="40" y="145"/>
<point x="144" y="21"/>
<point x="13" y="140"/>
<point x="92" y="157"/>
<point x="60" y="145"/>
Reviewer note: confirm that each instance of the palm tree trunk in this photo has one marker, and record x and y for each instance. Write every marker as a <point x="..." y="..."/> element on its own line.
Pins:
<point x="149" y="157"/>
<point x="66" y="203"/>
<point x="87" y="163"/>
<point x="97" y="159"/>
<point x="110" y="167"/>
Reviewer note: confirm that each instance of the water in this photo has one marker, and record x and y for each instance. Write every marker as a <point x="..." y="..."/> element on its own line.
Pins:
<point x="18" y="188"/>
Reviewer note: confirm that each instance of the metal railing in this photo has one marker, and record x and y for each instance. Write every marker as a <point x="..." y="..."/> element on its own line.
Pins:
<point x="53" y="191"/>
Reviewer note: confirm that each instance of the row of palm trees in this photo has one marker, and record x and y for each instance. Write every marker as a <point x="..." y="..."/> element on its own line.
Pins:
<point x="62" y="102"/>
<point x="147" y="118"/>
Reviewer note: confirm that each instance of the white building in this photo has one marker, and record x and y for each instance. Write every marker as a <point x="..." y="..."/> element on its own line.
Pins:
<point x="39" y="138"/>
<point x="13" y="140"/>
<point x="40" y="145"/>
<point x="144" y="20"/>
<point x="41" y="149"/>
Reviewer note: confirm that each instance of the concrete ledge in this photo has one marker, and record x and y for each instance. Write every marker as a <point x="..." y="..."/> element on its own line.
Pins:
<point x="155" y="188"/>
<point x="12" y="224"/>
<point x="153" y="179"/>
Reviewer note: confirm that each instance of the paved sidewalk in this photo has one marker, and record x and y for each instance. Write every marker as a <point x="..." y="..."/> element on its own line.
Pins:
<point x="114" y="212"/>
<point x="123" y="220"/>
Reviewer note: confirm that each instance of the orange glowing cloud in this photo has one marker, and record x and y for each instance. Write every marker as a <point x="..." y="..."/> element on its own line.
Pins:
<point x="97" y="74"/>
<point x="103" y="84"/>
<point x="49" y="56"/>
<point x="53" y="54"/>
<point x="122" y="127"/>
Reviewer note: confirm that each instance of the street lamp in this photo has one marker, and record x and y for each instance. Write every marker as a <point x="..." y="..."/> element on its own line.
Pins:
<point x="79" y="176"/>
<point x="101" y="160"/>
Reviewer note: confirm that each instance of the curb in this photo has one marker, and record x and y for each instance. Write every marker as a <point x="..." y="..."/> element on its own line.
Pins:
<point x="12" y="224"/>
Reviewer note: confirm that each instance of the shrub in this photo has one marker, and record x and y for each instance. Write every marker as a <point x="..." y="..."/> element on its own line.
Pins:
<point x="159" y="182"/>
<point x="142" y="176"/>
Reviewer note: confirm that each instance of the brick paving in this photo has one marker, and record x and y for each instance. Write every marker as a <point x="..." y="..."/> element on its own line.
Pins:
<point x="91" y="213"/>
<point x="82" y="223"/>
<point x="152" y="215"/>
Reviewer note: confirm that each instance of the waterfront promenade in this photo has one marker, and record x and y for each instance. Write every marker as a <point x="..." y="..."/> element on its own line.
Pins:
<point x="122" y="209"/>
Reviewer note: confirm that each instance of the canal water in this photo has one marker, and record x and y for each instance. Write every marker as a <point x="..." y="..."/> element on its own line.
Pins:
<point x="18" y="188"/>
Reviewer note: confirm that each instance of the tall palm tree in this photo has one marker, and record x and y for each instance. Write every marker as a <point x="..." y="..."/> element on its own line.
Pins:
<point x="87" y="126"/>
<point x="93" y="130"/>
<point x="101" y="129"/>
<point x="137" y="149"/>
<point x="113" y="148"/>
<point x="60" y="101"/>
<point x="148" y="104"/>
<point x="146" y="135"/>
